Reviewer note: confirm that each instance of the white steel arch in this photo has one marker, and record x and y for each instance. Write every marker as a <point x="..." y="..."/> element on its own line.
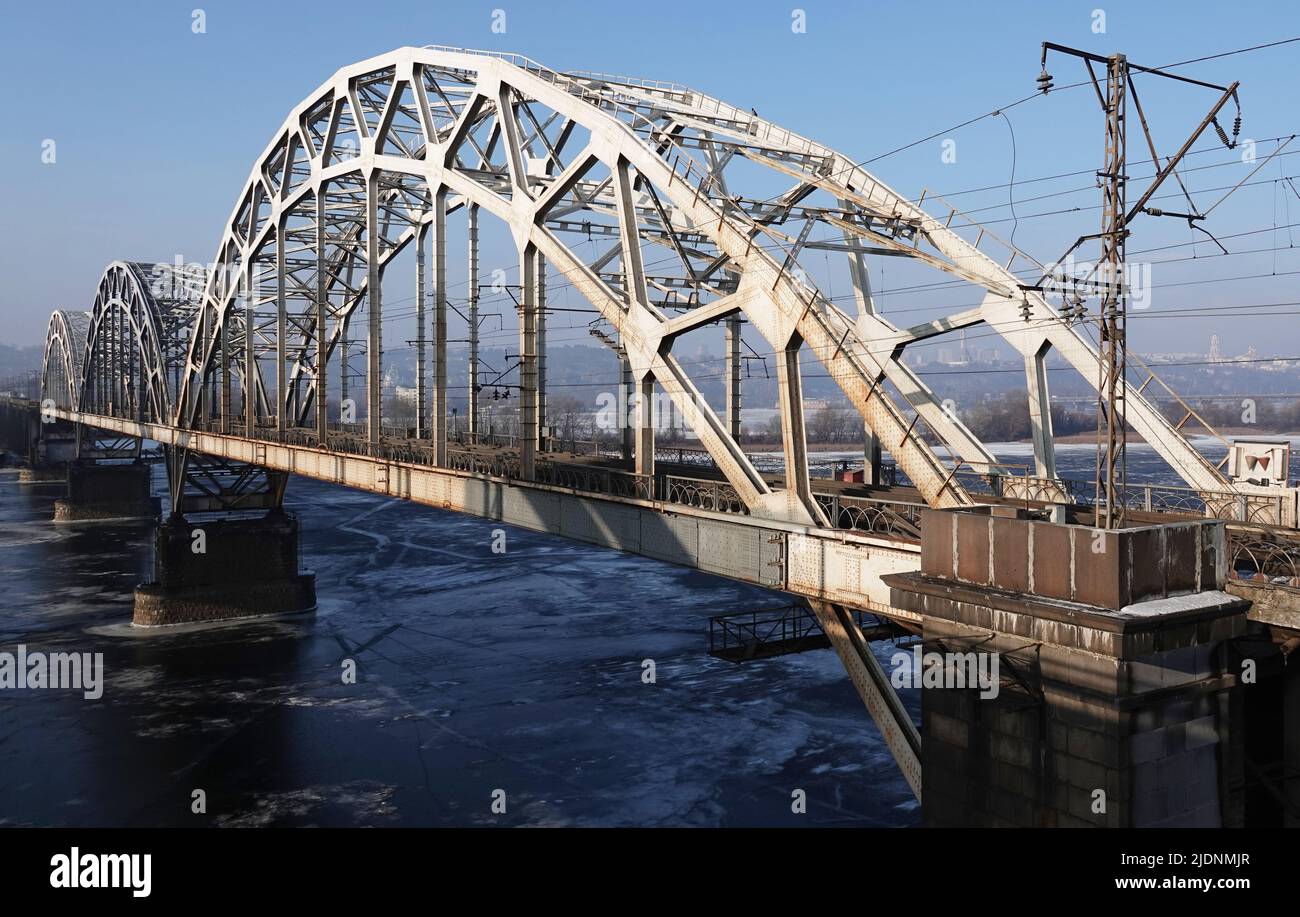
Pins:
<point x="65" y="351"/>
<point x="378" y="155"/>
<point x="136" y="333"/>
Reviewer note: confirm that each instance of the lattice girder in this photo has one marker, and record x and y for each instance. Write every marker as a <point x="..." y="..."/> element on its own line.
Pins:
<point x="65" y="352"/>
<point x="385" y="149"/>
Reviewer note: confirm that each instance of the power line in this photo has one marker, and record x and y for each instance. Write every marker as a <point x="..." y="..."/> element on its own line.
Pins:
<point x="1197" y="60"/>
<point x="1037" y="94"/>
<point x="1011" y="186"/>
<point x="1093" y="171"/>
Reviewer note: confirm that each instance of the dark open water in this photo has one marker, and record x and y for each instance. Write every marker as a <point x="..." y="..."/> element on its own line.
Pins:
<point x="519" y="672"/>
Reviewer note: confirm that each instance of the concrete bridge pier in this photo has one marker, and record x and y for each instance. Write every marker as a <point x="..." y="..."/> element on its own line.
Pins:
<point x="55" y="473"/>
<point x="103" y="492"/>
<point x="17" y="426"/>
<point x="47" y="447"/>
<point x="224" y="568"/>
<point x="1111" y="696"/>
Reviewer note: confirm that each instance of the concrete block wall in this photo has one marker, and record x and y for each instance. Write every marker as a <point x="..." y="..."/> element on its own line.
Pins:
<point x="1108" y="569"/>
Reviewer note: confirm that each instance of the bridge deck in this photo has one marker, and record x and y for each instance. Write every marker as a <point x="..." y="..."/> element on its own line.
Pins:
<point x="593" y="495"/>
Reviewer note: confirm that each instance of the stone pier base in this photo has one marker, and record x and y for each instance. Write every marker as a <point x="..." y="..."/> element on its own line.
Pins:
<point x="43" y="474"/>
<point x="224" y="569"/>
<point x="100" y="493"/>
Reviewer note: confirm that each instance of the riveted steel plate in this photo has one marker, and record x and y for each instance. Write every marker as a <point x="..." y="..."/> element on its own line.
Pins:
<point x="531" y="509"/>
<point x="601" y="523"/>
<point x="675" y="539"/>
<point x="731" y="550"/>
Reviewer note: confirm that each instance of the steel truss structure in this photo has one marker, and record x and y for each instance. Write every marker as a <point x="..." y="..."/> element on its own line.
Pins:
<point x="65" y="352"/>
<point x="380" y="155"/>
<point x="123" y="359"/>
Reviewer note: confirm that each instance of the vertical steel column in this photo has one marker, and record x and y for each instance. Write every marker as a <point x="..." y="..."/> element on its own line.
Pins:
<point x="225" y="377"/>
<point x="137" y="380"/>
<point x="528" y="430"/>
<point x="250" y="371"/>
<point x="439" y="424"/>
<point x="322" y="301"/>
<point x="645" y="425"/>
<point x="1040" y="414"/>
<point x="177" y="359"/>
<point x="870" y="455"/>
<point x="473" y="322"/>
<point x="212" y="368"/>
<point x="421" y="370"/>
<point x="794" y="439"/>
<point x="540" y="306"/>
<point x="102" y="396"/>
<point x="111" y="357"/>
<point x="374" y="308"/>
<point x="343" y="366"/>
<point x="626" y="398"/>
<point x="1114" y="302"/>
<point x="733" y="377"/>
<point x="281" y="331"/>
<point x="205" y="387"/>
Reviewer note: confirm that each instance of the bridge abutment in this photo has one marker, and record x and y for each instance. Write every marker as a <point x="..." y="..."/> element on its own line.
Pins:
<point x="224" y="569"/>
<point x="99" y="493"/>
<point x="1110" y="699"/>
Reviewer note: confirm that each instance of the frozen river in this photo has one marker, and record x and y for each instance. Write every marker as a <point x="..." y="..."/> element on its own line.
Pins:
<point x="478" y="672"/>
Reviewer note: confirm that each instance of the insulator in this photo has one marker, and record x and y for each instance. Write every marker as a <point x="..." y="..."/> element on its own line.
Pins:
<point x="1223" y="135"/>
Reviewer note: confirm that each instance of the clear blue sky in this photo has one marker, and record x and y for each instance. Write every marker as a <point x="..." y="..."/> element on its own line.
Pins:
<point x="156" y="127"/>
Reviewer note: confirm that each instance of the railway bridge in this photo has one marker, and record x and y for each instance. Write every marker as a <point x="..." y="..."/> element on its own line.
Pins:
<point x="1119" y="696"/>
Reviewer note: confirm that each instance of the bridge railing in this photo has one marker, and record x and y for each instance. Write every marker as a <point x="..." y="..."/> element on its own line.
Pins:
<point x="493" y="464"/>
<point x="1011" y="481"/>
<point x="1265" y="509"/>
<point x="576" y="446"/>
<point x="684" y="455"/>
<point x="591" y="479"/>
<point x="692" y="455"/>
<point x="718" y="496"/>
<point x="1229" y="505"/>
<point x="1258" y="558"/>
<point x="985" y="241"/>
<point x="896" y="519"/>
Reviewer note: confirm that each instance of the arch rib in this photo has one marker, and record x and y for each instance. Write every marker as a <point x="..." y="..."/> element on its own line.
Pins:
<point x="386" y="135"/>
